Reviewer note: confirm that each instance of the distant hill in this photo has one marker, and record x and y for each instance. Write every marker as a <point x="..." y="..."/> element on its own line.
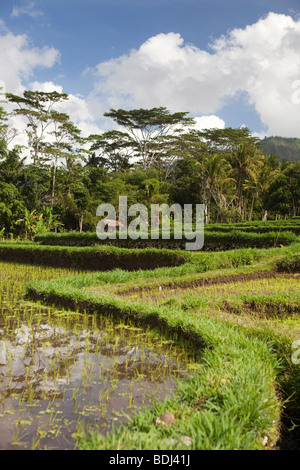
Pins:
<point x="287" y="148"/>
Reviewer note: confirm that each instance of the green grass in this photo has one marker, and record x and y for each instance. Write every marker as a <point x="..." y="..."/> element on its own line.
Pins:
<point x="91" y="258"/>
<point x="244" y="259"/>
<point x="234" y="385"/>
<point x="229" y="404"/>
<point x="233" y="400"/>
<point x="236" y="396"/>
<point x="69" y="353"/>
<point x="216" y="238"/>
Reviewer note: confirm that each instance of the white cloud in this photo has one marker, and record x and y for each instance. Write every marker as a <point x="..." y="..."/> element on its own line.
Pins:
<point x="262" y="60"/>
<point x="18" y="60"/>
<point x="209" y="122"/>
<point x="28" y="9"/>
<point x="46" y="87"/>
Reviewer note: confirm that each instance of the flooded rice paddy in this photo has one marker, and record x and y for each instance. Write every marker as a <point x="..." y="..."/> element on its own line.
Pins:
<point x="63" y="372"/>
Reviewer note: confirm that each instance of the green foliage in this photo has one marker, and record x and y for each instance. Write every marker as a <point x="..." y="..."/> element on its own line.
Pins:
<point x="290" y="263"/>
<point x="213" y="240"/>
<point x="156" y="157"/>
<point x="90" y="258"/>
<point x="230" y="402"/>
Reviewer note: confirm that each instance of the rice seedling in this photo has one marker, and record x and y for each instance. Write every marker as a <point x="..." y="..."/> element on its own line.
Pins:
<point x="62" y="359"/>
<point x="220" y="324"/>
<point x="239" y="365"/>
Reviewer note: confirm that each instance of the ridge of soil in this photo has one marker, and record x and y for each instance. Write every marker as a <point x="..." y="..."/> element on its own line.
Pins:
<point x="222" y="279"/>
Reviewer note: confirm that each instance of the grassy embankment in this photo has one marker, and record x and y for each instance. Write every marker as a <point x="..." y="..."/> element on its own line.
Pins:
<point x="216" y="238"/>
<point x="235" y="399"/>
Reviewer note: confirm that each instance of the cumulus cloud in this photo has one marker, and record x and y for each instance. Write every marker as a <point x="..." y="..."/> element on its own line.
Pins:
<point x="209" y="122"/>
<point x="18" y="60"/>
<point x="261" y="60"/>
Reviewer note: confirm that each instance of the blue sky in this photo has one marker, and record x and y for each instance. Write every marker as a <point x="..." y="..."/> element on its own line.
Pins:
<point x="208" y="57"/>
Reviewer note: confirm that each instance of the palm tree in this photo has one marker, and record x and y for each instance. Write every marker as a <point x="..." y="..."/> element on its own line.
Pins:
<point x="246" y="162"/>
<point x="267" y="174"/>
<point x="214" y="170"/>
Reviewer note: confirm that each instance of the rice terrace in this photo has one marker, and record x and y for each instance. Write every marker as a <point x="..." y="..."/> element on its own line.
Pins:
<point x="149" y="228"/>
<point x="194" y="353"/>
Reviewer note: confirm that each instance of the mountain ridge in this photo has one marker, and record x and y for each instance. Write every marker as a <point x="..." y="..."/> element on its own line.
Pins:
<point x="287" y="148"/>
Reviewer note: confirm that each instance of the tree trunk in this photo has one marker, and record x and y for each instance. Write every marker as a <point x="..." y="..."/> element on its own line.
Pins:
<point x="53" y="182"/>
<point x="264" y="215"/>
<point x="245" y="206"/>
<point x="80" y="223"/>
<point x="252" y="207"/>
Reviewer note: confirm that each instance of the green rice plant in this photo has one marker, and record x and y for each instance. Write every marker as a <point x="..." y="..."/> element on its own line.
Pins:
<point x="229" y="398"/>
<point x="53" y="368"/>
<point x="210" y="332"/>
<point x="291" y="263"/>
<point x="91" y="258"/>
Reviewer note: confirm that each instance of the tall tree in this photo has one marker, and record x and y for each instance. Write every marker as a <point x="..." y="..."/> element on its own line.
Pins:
<point x="115" y="151"/>
<point x="148" y="131"/>
<point x="64" y="136"/>
<point x="283" y="195"/>
<point x="245" y="161"/>
<point x="215" y="171"/>
<point x="37" y="109"/>
<point x="267" y="174"/>
<point x="228" y="139"/>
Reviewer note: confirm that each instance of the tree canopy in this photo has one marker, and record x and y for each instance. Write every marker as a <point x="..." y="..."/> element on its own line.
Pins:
<point x="58" y="179"/>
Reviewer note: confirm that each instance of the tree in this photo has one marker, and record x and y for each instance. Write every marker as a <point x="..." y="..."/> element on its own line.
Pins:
<point x="149" y="132"/>
<point x="29" y="223"/>
<point x="215" y="170"/>
<point x="35" y="187"/>
<point x="64" y="135"/>
<point x="283" y="195"/>
<point x="11" y="206"/>
<point x="115" y="151"/>
<point x="226" y="140"/>
<point x="37" y="108"/>
<point x="268" y="172"/>
<point x="246" y="162"/>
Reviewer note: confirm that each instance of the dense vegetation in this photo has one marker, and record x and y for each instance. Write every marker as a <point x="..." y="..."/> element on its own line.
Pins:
<point x="236" y="301"/>
<point x="58" y="178"/>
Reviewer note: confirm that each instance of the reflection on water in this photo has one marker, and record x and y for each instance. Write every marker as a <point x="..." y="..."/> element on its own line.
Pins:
<point x="61" y="371"/>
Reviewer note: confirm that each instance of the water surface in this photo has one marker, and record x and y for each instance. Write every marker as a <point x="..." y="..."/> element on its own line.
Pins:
<point x="63" y="372"/>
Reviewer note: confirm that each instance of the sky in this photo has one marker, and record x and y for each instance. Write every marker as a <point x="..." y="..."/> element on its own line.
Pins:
<point x="227" y="63"/>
